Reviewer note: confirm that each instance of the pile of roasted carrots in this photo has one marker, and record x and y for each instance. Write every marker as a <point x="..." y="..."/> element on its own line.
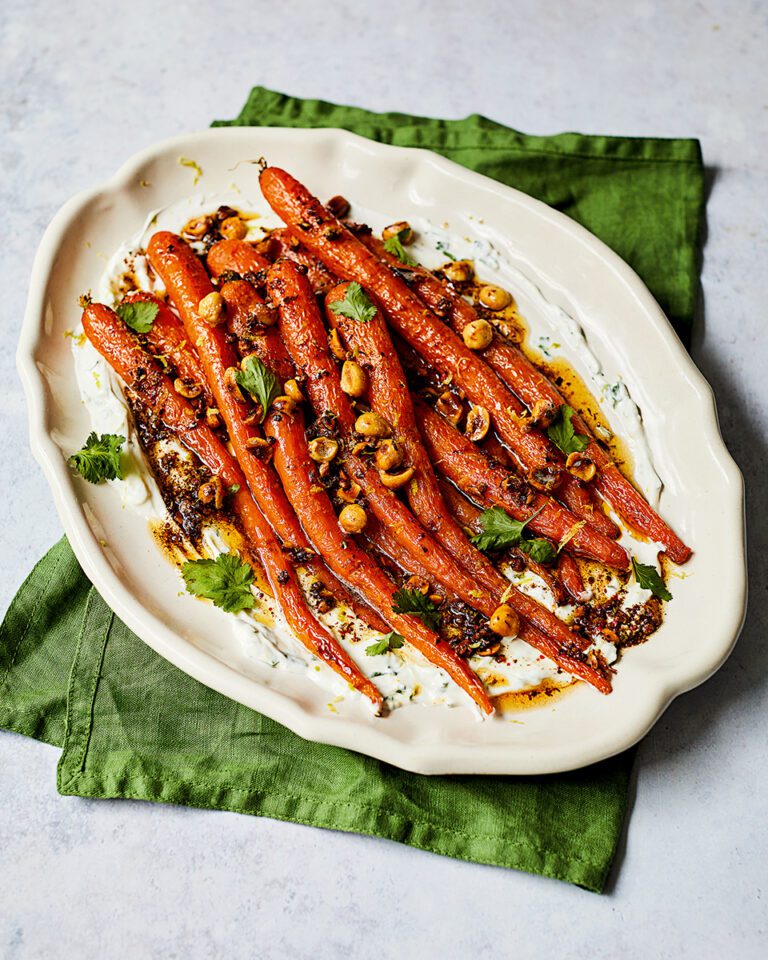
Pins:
<point x="353" y="464"/>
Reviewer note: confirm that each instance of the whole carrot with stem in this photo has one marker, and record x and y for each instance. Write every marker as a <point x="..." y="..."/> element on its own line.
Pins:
<point x="143" y="375"/>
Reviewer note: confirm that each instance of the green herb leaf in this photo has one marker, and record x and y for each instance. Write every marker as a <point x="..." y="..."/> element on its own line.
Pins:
<point x="394" y="245"/>
<point x="226" y="581"/>
<point x="538" y="549"/>
<point x="356" y="304"/>
<point x="562" y="434"/>
<point x="139" y="315"/>
<point x="392" y="641"/>
<point x="500" y="531"/>
<point x="259" y="381"/>
<point x="99" y="459"/>
<point x="648" y="578"/>
<point x="418" y="605"/>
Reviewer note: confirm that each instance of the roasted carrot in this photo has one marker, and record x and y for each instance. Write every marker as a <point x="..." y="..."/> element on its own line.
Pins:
<point x="143" y="375"/>
<point x="576" y="662"/>
<point x="304" y="333"/>
<point x="490" y="484"/>
<point x="186" y="281"/>
<point x="168" y="339"/>
<point x="444" y="299"/>
<point x="388" y="394"/>
<point x="347" y="559"/>
<point x="326" y="237"/>
<point x="235" y="256"/>
<point x="283" y="243"/>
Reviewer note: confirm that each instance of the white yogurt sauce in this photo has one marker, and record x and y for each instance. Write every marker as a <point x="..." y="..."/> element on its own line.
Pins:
<point x="403" y="676"/>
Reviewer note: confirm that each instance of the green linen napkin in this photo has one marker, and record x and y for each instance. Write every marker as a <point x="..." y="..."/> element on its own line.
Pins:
<point x="132" y="725"/>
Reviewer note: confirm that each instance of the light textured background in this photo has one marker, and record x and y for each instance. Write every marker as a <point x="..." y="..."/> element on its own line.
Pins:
<point x="84" y="86"/>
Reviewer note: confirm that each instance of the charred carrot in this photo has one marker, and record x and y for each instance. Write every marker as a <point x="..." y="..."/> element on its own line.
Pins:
<point x="570" y="576"/>
<point x="347" y="559"/>
<point x="490" y="484"/>
<point x="304" y="333"/>
<point x="144" y="376"/>
<point x="447" y="303"/>
<point x="388" y="394"/>
<point x="235" y="256"/>
<point x="328" y="239"/>
<point x="187" y="283"/>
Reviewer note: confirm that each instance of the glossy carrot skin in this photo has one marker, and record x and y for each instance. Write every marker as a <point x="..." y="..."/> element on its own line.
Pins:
<point x="168" y="338"/>
<point x="305" y="337"/>
<point x="570" y="576"/>
<point x="436" y="295"/>
<point x="304" y="333"/>
<point x="347" y="560"/>
<point x="389" y="395"/>
<point x="237" y="256"/>
<point x="530" y="385"/>
<point x="286" y="244"/>
<point x="328" y="239"/>
<point x="186" y="281"/>
<point x="489" y="483"/>
<point x="143" y="375"/>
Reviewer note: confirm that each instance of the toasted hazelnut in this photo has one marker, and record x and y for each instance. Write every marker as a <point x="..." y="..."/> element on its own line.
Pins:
<point x="196" y="227"/>
<point x="285" y="404"/>
<point x="187" y="387"/>
<point x="338" y="206"/>
<point x="495" y="298"/>
<point x="211" y="309"/>
<point x="323" y="449"/>
<point x="477" y="334"/>
<point x="293" y="391"/>
<point x="349" y="490"/>
<point x="417" y="583"/>
<point x="478" y="423"/>
<point x="337" y="347"/>
<point x="401" y="229"/>
<point x="257" y="443"/>
<point x="542" y="414"/>
<point x="581" y="466"/>
<point x="460" y="271"/>
<point x="372" y="424"/>
<point x="504" y="621"/>
<point x="353" y="518"/>
<point x="393" y="481"/>
<point x="489" y="651"/>
<point x="212" y="492"/>
<point x="353" y="379"/>
<point x="264" y="314"/>
<point x="450" y="407"/>
<point x="233" y="228"/>
<point x="544" y="478"/>
<point x="212" y="418"/>
<point x="230" y="382"/>
<point x="388" y="455"/>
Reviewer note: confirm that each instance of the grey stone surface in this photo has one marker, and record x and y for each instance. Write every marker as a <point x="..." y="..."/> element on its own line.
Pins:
<point x="84" y="86"/>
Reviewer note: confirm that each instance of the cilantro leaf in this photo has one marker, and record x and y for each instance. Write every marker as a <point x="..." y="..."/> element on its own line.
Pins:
<point x="562" y="434"/>
<point x="99" y="459"/>
<point x="500" y="530"/>
<point x="538" y="549"/>
<point x="356" y="304"/>
<point x="226" y="581"/>
<point x="418" y="605"/>
<point x="392" y="641"/>
<point x="259" y="381"/>
<point x="139" y="315"/>
<point x="648" y="578"/>
<point x="394" y="245"/>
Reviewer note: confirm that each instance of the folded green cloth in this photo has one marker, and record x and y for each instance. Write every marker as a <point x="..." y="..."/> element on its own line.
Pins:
<point x="132" y="725"/>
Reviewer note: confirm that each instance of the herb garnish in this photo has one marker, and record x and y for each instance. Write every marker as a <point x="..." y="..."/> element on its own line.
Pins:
<point x="99" y="459"/>
<point x="562" y="434"/>
<point x="394" y="245"/>
<point x="392" y="641"/>
<point x="538" y="549"/>
<point x="500" y="531"/>
<point x="259" y="381"/>
<point x="648" y="578"/>
<point x="139" y="315"/>
<point x="418" y="605"/>
<point x="226" y="581"/>
<point x="356" y="304"/>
